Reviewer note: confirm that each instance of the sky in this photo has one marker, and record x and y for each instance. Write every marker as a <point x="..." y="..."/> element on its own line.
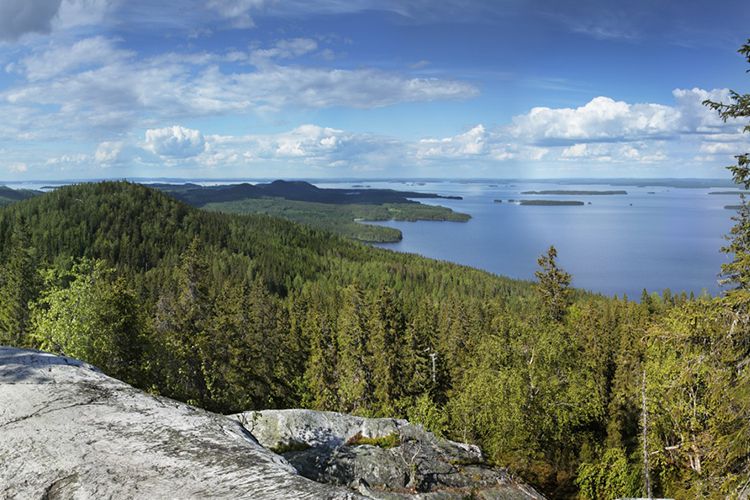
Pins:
<point x="368" y="88"/>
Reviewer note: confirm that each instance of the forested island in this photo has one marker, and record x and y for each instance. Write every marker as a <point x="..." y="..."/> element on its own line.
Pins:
<point x="733" y="193"/>
<point x="550" y="203"/>
<point x="576" y="192"/>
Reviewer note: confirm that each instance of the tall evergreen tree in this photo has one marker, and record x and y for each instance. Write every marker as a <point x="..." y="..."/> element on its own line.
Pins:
<point x="386" y="330"/>
<point x="320" y="369"/>
<point x="737" y="272"/>
<point x="17" y="287"/>
<point x="355" y="378"/>
<point x="553" y="285"/>
<point x="182" y="316"/>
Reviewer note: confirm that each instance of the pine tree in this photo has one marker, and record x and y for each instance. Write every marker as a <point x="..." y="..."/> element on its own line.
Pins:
<point x="553" y="286"/>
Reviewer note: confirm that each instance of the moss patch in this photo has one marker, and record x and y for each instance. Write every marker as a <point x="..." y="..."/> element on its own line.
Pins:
<point x="289" y="447"/>
<point x="389" y="441"/>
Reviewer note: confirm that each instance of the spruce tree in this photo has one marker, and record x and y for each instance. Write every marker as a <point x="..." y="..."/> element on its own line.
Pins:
<point x="17" y="287"/>
<point x="737" y="272"/>
<point x="386" y="330"/>
<point x="553" y="286"/>
<point x="355" y="378"/>
<point x="182" y="316"/>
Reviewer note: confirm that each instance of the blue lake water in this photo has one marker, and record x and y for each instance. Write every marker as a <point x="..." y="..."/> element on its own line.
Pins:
<point x="619" y="244"/>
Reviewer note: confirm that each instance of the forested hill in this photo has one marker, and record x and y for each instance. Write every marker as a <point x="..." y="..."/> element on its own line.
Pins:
<point x="198" y="196"/>
<point x="235" y="313"/>
<point x="8" y="195"/>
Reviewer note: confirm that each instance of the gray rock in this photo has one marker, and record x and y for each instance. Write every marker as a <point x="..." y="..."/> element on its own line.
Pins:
<point x="323" y="446"/>
<point x="69" y="431"/>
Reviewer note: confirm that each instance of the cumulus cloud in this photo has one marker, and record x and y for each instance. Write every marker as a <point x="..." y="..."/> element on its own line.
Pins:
<point x="470" y="143"/>
<point x="19" y="17"/>
<point x="175" y="142"/>
<point x="109" y="152"/>
<point x="309" y="145"/>
<point x="602" y="118"/>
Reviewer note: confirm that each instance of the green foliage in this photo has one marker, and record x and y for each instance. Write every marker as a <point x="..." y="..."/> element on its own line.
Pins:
<point x="17" y="286"/>
<point x="386" y="442"/>
<point x="610" y="478"/>
<point x="86" y="313"/>
<point x="429" y="415"/>
<point x="553" y="285"/>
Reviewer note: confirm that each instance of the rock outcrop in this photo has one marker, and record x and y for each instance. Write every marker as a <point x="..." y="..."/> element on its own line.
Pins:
<point x="380" y="457"/>
<point x="69" y="431"/>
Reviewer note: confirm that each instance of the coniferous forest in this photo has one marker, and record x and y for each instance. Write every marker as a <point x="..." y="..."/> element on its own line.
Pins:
<point x="579" y="394"/>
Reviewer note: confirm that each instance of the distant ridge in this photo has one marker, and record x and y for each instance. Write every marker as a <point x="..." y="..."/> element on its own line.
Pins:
<point x="199" y="196"/>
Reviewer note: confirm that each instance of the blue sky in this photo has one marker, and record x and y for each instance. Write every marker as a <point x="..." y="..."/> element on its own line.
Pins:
<point x="368" y="89"/>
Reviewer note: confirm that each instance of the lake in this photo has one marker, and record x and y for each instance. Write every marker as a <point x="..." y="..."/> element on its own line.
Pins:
<point x="653" y="237"/>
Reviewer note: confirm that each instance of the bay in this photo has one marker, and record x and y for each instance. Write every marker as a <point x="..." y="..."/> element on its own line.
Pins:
<point x="654" y="237"/>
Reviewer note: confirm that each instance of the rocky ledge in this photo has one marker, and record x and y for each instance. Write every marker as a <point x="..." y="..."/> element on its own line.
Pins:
<point x="380" y="457"/>
<point x="69" y="431"/>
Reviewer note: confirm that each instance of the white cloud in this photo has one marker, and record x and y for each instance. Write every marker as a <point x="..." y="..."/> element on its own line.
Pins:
<point x="471" y="143"/>
<point x="68" y="159"/>
<point x="175" y="142"/>
<point x="75" y="13"/>
<point x="109" y="152"/>
<point x="614" y="152"/>
<point x="284" y="49"/>
<point x="19" y="17"/>
<point x="82" y="55"/>
<point x="697" y="118"/>
<point x="602" y="118"/>
<point x="17" y="168"/>
<point x="237" y="11"/>
<point x="95" y="88"/>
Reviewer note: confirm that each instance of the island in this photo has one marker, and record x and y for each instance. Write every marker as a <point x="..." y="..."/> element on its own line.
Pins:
<point x="735" y="193"/>
<point x="576" y="192"/>
<point x="341" y="211"/>
<point x="551" y="203"/>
